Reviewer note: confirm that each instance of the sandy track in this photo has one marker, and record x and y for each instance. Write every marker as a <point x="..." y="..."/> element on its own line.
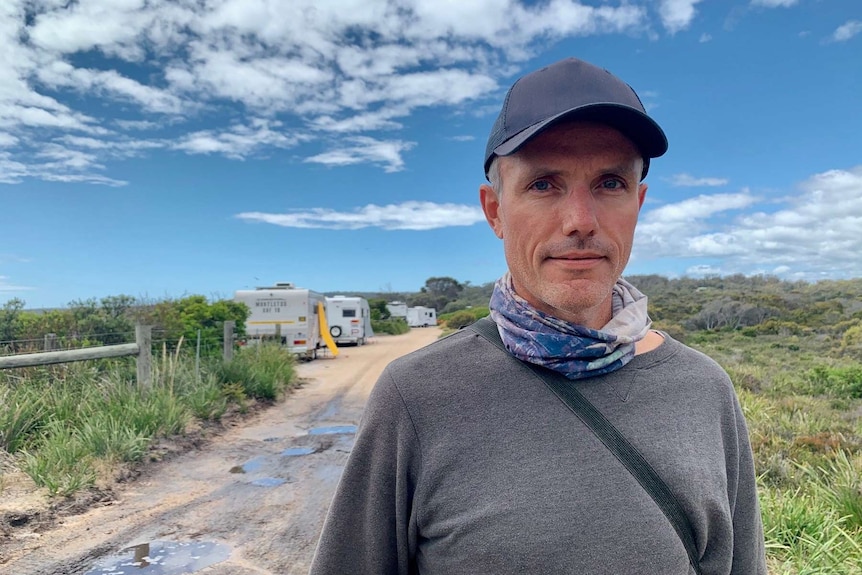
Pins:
<point x="241" y="492"/>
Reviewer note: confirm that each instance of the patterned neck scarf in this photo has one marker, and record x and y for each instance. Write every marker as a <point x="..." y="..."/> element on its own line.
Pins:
<point x="572" y="350"/>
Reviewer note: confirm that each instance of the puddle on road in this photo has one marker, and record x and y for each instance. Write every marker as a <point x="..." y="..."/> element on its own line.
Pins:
<point x="294" y="451"/>
<point x="272" y="439"/>
<point x="269" y="481"/>
<point x="335" y="429"/>
<point x="248" y="466"/>
<point x="163" y="558"/>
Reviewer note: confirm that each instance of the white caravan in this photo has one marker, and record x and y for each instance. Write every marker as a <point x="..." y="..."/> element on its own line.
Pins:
<point x="349" y="319"/>
<point x="397" y="309"/>
<point x="421" y="316"/>
<point x="288" y="314"/>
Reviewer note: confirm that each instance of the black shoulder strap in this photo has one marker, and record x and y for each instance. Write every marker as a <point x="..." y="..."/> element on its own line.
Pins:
<point x="628" y="455"/>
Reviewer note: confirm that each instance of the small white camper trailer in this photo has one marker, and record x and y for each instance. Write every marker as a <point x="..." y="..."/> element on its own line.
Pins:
<point x="397" y="309"/>
<point x="285" y="313"/>
<point x="421" y="316"/>
<point x="349" y="319"/>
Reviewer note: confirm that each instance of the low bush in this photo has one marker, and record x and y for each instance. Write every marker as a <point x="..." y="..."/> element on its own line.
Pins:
<point x="460" y="319"/>
<point x="265" y="371"/>
<point x="392" y="326"/>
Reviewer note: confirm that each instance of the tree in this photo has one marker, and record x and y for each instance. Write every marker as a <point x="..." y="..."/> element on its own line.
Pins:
<point x="723" y="312"/>
<point x="437" y="292"/>
<point x="378" y="309"/>
<point x="9" y="319"/>
<point x="447" y="287"/>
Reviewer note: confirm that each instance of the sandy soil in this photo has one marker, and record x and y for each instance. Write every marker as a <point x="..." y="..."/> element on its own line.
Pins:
<point x="256" y="493"/>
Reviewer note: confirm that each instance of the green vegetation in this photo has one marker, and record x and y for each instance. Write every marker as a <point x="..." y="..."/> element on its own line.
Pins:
<point x="112" y="320"/>
<point x="793" y="353"/>
<point x="462" y="318"/>
<point x="381" y="320"/>
<point x="792" y="349"/>
<point x="392" y="326"/>
<point x="70" y="426"/>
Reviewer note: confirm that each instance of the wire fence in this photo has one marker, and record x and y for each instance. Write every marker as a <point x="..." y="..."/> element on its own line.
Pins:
<point x="142" y="348"/>
<point x="161" y="338"/>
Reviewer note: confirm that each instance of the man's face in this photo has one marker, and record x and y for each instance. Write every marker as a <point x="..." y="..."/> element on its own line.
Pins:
<point x="566" y="214"/>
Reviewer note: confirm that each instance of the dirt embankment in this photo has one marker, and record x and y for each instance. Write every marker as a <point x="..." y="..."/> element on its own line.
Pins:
<point x="248" y="501"/>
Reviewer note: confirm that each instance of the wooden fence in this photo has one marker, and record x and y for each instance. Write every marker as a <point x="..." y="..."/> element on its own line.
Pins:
<point x="142" y="349"/>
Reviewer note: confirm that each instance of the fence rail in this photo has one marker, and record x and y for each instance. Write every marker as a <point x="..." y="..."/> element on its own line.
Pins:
<point x="142" y="349"/>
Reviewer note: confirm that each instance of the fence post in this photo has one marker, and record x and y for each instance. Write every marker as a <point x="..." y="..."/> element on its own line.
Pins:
<point x="50" y="341"/>
<point x="144" y="339"/>
<point x="198" y="358"/>
<point x="229" y="327"/>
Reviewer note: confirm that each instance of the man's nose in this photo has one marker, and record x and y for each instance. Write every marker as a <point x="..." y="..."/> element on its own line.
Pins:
<point x="578" y="213"/>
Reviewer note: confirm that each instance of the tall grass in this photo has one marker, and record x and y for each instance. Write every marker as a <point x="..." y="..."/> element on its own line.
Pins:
<point x="69" y="426"/>
<point x="261" y="371"/>
<point x="805" y="422"/>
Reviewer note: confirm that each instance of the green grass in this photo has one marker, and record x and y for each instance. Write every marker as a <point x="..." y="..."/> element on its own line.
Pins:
<point x="70" y="425"/>
<point x="392" y="326"/>
<point x="804" y="413"/>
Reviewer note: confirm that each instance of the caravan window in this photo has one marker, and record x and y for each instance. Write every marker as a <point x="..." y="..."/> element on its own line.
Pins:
<point x="348" y="313"/>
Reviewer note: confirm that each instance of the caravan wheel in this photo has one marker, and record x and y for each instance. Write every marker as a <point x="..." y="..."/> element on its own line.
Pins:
<point x="335" y="331"/>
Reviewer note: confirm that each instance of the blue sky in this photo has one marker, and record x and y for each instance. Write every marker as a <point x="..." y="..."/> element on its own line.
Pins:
<point x="160" y="148"/>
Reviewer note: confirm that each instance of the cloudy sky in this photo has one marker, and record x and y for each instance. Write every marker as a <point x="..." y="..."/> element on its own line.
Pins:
<point x="159" y="148"/>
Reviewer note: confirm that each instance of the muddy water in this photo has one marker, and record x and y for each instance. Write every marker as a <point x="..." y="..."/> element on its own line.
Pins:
<point x="162" y="558"/>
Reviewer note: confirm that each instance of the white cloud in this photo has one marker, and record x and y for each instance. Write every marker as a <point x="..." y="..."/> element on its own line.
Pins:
<point x="703" y="270"/>
<point x="111" y="83"/>
<point x="11" y="171"/>
<point x="377" y="120"/>
<point x="666" y="231"/>
<point x="238" y="141"/>
<point x="677" y="15"/>
<point x="774" y="3"/>
<point x="5" y="286"/>
<point x="690" y="181"/>
<point x="386" y="153"/>
<point x="814" y="232"/>
<point x="405" y="216"/>
<point x="129" y="125"/>
<point x="704" y="38"/>
<point x="345" y="66"/>
<point x="847" y="30"/>
<point x="62" y="165"/>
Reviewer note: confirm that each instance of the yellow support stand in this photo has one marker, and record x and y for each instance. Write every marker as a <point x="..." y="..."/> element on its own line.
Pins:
<point x="324" y="330"/>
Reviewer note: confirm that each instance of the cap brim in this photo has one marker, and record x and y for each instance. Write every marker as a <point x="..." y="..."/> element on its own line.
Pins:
<point x="634" y="124"/>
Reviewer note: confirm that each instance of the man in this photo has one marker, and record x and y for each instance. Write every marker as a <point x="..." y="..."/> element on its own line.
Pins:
<point x="467" y="463"/>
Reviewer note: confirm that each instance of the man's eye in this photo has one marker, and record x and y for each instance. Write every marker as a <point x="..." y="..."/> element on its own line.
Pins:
<point x="612" y="184"/>
<point x="541" y="185"/>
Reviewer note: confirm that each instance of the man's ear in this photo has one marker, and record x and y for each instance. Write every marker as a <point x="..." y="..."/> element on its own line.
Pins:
<point x="642" y="188"/>
<point x="491" y="206"/>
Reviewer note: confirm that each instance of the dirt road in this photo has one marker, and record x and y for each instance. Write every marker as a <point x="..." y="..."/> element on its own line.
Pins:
<point x="251" y="502"/>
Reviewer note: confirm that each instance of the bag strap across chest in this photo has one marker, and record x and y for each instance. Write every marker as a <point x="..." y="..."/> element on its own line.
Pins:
<point x="611" y="437"/>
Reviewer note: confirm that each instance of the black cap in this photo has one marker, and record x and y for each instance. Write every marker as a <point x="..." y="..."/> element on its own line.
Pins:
<point x="572" y="89"/>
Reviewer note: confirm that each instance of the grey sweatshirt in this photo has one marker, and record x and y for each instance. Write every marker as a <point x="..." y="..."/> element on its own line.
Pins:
<point x="466" y="463"/>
